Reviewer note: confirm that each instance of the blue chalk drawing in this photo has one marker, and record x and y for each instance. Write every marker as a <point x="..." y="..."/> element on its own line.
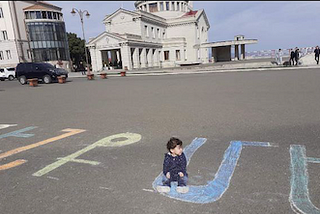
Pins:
<point x="299" y="194"/>
<point x="19" y="133"/>
<point x="214" y="190"/>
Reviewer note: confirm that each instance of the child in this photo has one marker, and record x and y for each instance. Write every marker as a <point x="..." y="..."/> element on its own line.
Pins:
<point x="174" y="167"/>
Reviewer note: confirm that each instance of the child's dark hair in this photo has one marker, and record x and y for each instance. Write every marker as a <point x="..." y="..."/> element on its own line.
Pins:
<point x="173" y="142"/>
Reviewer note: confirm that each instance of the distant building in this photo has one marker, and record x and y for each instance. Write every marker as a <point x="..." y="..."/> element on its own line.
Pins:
<point x="159" y="34"/>
<point x="156" y="34"/>
<point x="32" y="31"/>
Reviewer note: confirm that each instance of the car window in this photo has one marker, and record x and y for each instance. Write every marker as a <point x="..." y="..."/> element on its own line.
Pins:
<point x="10" y="69"/>
<point x="1" y="70"/>
<point x="47" y="65"/>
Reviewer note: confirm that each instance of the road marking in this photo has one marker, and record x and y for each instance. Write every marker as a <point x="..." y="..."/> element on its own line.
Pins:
<point x="19" y="133"/>
<point x="3" y="126"/>
<point x="214" y="190"/>
<point x="12" y="164"/>
<point x="299" y="194"/>
<point x="25" y="148"/>
<point x="110" y="141"/>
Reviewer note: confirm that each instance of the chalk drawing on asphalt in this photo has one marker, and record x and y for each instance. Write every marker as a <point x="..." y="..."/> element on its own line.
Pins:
<point x="214" y="190"/>
<point x="117" y="140"/>
<point x="19" y="162"/>
<point x="299" y="195"/>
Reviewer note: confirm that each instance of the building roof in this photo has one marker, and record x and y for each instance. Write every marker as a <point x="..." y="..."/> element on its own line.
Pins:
<point x="190" y="13"/>
<point x="40" y="5"/>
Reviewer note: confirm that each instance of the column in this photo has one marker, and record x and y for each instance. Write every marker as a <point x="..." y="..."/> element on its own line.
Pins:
<point x="99" y="60"/>
<point x="150" y="57"/>
<point x="236" y="52"/>
<point x="126" y="57"/>
<point x="118" y="55"/>
<point x="143" y="58"/>
<point x="243" y="52"/>
<point x="136" y="58"/>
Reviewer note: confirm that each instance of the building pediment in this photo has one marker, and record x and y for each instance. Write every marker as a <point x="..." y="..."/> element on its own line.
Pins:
<point x="106" y="39"/>
<point x="122" y="13"/>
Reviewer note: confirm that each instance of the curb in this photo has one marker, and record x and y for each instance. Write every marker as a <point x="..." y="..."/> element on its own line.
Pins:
<point x="202" y="71"/>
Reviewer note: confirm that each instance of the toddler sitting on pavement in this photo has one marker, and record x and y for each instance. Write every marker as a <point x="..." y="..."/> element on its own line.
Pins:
<point x="174" y="167"/>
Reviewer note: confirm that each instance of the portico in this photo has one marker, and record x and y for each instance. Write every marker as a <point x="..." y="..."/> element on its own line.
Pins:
<point x="221" y="51"/>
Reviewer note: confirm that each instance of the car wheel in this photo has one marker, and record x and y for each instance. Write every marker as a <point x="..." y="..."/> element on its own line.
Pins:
<point x="47" y="79"/>
<point x="11" y="77"/>
<point x="23" y="80"/>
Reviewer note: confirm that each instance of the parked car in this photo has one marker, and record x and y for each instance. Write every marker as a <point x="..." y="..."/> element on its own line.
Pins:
<point x="7" y="73"/>
<point x="43" y="71"/>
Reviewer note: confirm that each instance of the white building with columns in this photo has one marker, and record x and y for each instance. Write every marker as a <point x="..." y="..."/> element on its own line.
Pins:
<point x="156" y="34"/>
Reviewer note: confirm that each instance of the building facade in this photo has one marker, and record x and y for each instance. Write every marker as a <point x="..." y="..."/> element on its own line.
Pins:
<point x="156" y="34"/>
<point x="32" y="31"/>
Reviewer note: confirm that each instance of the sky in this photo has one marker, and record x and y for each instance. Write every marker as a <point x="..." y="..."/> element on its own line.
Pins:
<point x="276" y="24"/>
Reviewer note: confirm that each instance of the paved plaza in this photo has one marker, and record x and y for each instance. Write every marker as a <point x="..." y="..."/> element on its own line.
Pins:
<point x="98" y="146"/>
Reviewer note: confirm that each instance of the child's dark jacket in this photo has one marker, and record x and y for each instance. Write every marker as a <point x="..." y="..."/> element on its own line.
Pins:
<point x="174" y="165"/>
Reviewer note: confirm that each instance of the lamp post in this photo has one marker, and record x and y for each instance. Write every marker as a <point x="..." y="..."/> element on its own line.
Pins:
<point x="80" y="12"/>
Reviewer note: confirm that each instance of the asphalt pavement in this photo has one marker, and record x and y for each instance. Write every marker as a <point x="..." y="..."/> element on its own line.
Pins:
<point x="96" y="165"/>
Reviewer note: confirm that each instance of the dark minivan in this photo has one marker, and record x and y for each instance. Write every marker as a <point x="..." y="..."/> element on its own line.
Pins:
<point x="43" y="71"/>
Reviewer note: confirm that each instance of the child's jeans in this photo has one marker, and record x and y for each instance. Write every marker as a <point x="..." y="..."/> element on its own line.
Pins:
<point x="182" y="181"/>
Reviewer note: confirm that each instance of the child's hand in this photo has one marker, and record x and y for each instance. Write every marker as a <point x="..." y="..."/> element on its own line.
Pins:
<point x="168" y="175"/>
<point x="181" y="174"/>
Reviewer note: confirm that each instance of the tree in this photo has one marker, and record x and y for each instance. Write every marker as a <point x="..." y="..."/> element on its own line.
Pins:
<point x="76" y="48"/>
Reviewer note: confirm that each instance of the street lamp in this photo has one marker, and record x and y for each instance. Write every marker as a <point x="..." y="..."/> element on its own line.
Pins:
<point x="80" y="12"/>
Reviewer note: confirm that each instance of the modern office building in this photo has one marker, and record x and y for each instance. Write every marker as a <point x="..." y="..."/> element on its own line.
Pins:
<point x="32" y="31"/>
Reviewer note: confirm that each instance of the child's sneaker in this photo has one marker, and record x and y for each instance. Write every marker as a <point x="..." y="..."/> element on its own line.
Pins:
<point x="164" y="189"/>
<point x="182" y="189"/>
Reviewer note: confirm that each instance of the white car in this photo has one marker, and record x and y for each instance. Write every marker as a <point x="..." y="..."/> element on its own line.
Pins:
<point x="7" y="73"/>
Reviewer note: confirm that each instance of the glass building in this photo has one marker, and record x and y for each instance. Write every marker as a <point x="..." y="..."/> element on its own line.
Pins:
<point x="46" y="34"/>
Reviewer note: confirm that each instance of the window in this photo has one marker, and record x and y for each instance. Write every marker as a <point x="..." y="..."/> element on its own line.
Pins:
<point x="4" y="35"/>
<point x="1" y="55"/>
<point x="54" y="15"/>
<point x="166" y="55"/>
<point x="178" y="6"/>
<point x="153" y="7"/>
<point x="44" y="14"/>
<point x="172" y="6"/>
<point x="163" y="35"/>
<point x="8" y="54"/>
<point x="158" y="33"/>
<point x="49" y="15"/>
<point x="178" y="55"/>
<point x="145" y="7"/>
<point x="167" y="6"/>
<point x="29" y="54"/>
<point x="32" y="15"/>
<point x="161" y="6"/>
<point x="38" y="14"/>
<point x="1" y="12"/>
<point x="198" y="33"/>
<point x="146" y="32"/>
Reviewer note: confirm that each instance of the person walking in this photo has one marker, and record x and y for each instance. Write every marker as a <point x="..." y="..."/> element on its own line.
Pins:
<point x="316" y="54"/>
<point x="297" y="56"/>
<point x="82" y="68"/>
<point x="292" y="56"/>
<point x="279" y="57"/>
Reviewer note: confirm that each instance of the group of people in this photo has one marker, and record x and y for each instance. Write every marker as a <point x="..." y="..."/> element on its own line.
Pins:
<point x="295" y="55"/>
